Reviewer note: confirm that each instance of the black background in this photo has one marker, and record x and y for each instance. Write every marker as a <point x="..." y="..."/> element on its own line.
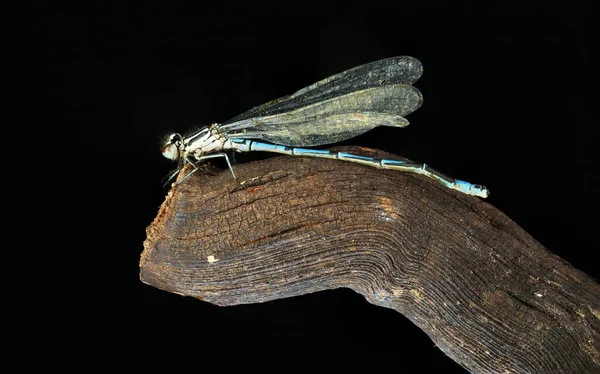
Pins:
<point x="507" y="104"/>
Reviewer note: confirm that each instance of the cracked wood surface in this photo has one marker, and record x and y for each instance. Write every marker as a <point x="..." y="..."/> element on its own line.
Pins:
<point x="490" y="296"/>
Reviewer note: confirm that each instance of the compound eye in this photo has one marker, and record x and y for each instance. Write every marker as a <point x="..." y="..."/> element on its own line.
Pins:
<point x="170" y="151"/>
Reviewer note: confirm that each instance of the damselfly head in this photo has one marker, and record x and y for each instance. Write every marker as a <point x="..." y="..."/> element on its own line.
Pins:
<point x="173" y="147"/>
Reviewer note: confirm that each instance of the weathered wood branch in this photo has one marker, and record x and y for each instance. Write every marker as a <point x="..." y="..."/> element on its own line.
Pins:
<point x="488" y="295"/>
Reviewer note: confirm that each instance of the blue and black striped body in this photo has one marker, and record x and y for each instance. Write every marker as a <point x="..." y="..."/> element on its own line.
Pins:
<point x="245" y="145"/>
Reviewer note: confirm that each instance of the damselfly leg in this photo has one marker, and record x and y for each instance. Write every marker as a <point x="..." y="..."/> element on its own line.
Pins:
<point x="187" y="159"/>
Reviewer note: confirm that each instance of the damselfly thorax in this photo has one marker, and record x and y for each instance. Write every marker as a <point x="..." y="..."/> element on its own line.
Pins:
<point x="204" y="144"/>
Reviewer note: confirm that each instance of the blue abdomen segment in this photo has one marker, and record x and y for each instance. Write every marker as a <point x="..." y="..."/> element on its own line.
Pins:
<point x="246" y="145"/>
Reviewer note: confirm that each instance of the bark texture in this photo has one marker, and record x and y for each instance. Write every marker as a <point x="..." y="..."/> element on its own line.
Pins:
<point x="490" y="296"/>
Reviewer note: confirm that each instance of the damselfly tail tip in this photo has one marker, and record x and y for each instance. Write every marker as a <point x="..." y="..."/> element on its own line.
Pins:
<point x="481" y="191"/>
<point x="471" y="189"/>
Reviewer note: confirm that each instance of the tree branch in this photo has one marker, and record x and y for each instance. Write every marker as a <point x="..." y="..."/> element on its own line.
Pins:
<point x="489" y="296"/>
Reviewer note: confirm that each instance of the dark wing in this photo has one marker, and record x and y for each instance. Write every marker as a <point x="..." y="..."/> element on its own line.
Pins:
<point x="393" y="70"/>
<point x="336" y="108"/>
<point x="332" y="120"/>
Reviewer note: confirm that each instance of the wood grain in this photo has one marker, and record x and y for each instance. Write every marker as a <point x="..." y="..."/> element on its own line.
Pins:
<point x="490" y="296"/>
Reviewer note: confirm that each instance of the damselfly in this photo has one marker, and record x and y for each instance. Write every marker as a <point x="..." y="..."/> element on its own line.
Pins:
<point x="334" y="109"/>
